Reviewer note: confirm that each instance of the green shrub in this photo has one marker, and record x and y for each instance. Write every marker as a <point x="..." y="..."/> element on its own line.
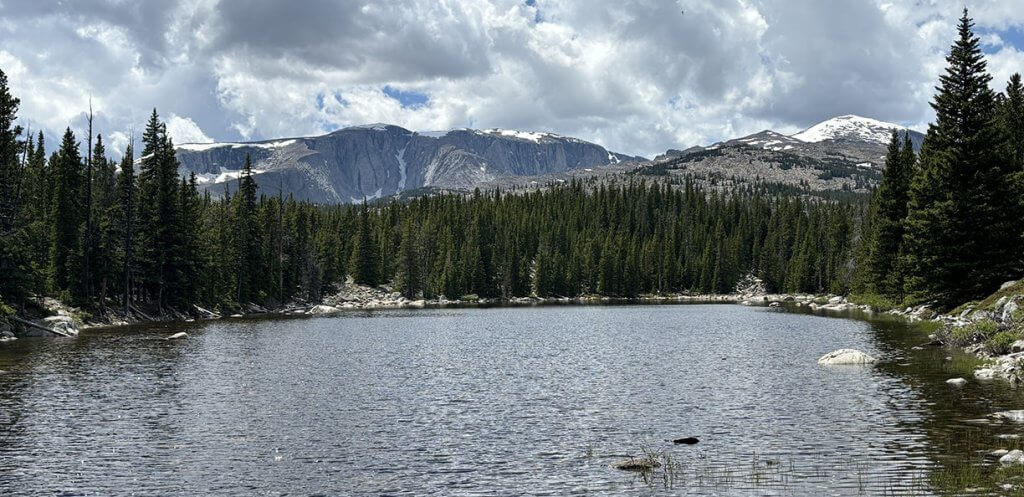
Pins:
<point x="1000" y="343"/>
<point x="972" y="333"/>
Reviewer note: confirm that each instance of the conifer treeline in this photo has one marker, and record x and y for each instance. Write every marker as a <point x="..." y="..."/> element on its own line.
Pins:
<point x="948" y="226"/>
<point x="155" y="242"/>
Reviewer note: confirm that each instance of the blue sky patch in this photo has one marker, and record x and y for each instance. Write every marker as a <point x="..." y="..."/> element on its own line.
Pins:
<point x="1012" y="37"/>
<point x="408" y="99"/>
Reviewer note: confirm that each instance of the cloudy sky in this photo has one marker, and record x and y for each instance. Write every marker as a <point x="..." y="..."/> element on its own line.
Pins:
<point x="638" y="76"/>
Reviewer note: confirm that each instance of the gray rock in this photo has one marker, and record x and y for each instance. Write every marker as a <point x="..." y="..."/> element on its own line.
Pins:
<point x="1010" y="308"/>
<point x="1008" y="284"/>
<point x="61" y="323"/>
<point x="846" y="357"/>
<point x="640" y="464"/>
<point x="957" y="382"/>
<point x="323" y="310"/>
<point x="996" y="454"/>
<point x="1017" y="346"/>
<point x="1015" y="456"/>
<point x="1016" y="415"/>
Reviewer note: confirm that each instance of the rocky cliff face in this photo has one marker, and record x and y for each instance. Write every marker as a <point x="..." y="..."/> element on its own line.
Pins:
<point x="381" y="160"/>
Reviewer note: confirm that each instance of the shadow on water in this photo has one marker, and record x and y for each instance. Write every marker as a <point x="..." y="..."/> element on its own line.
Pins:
<point x="957" y="421"/>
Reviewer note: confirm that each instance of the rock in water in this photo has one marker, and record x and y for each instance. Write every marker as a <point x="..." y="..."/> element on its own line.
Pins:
<point x="1015" y="456"/>
<point x="957" y="382"/>
<point x="846" y="357"/>
<point x="177" y="336"/>
<point x="324" y="310"/>
<point x="1017" y="415"/>
<point x="686" y="441"/>
<point x="641" y="464"/>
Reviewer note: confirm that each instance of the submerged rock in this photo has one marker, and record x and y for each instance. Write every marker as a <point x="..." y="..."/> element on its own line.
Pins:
<point x="641" y="464"/>
<point x="996" y="454"/>
<point x="845" y="357"/>
<point x="686" y="441"/>
<point x="957" y="382"/>
<point x="1015" y="456"/>
<point x="177" y="336"/>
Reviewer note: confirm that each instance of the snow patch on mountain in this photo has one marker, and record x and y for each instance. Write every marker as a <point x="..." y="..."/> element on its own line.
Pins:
<point x="849" y="127"/>
<point x="223" y="175"/>
<point x="401" y="168"/>
<point x="202" y="147"/>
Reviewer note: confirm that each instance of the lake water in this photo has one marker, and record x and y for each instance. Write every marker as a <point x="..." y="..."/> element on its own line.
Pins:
<point x="500" y="401"/>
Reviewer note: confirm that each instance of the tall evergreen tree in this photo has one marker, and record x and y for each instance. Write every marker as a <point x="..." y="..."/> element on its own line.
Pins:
<point x="65" y="242"/>
<point x="13" y="258"/>
<point x="363" y="262"/>
<point x="247" y="236"/>
<point x="889" y="210"/>
<point x="963" y="236"/>
<point x="1011" y="119"/>
<point x="126" y="223"/>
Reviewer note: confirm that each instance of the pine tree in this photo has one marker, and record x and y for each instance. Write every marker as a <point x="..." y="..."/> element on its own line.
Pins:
<point x="1011" y="120"/>
<point x="963" y="235"/>
<point x="407" y="264"/>
<point x="363" y="262"/>
<point x="14" y="270"/>
<point x="126" y="224"/>
<point x="65" y="241"/>
<point x="889" y="210"/>
<point x="247" y="236"/>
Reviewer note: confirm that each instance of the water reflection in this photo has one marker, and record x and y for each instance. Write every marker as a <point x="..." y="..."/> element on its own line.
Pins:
<point x="483" y="401"/>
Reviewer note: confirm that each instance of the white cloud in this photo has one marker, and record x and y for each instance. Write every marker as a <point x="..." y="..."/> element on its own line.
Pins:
<point x="185" y="130"/>
<point x="639" y="76"/>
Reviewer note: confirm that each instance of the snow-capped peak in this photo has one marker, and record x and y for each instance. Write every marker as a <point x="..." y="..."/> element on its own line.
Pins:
<point x="849" y="127"/>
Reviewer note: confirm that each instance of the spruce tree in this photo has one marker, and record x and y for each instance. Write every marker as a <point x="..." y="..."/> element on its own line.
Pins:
<point x="363" y="262"/>
<point x="1011" y="119"/>
<point x="13" y="257"/>
<point x="407" y="264"/>
<point x="963" y="236"/>
<point x="65" y="241"/>
<point x="126" y="224"/>
<point x="889" y="210"/>
<point x="247" y="236"/>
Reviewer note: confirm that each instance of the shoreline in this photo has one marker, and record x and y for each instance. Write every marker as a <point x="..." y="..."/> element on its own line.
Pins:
<point x="349" y="297"/>
<point x="69" y="320"/>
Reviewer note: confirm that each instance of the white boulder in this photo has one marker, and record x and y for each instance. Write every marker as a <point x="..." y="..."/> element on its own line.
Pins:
<point x="323" y="310"/>
<point x="1015" y="456"/>
<point x="62" y="323"/>
<point x="1016" y="415"/>
<point x="845" y="357"/>
<point x="177" y="336"/>
<point x="957" y="382"/>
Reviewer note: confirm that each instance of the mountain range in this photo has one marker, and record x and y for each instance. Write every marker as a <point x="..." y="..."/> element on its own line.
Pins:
<point x="375" y="161"/>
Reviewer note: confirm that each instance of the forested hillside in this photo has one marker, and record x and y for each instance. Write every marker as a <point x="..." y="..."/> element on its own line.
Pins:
<point x="135" y="236"/>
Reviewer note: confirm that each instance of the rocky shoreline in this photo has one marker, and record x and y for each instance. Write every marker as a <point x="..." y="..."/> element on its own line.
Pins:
<point x="69" y="321"/>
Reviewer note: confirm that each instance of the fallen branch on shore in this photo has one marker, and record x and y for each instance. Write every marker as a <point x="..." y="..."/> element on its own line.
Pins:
<point x="39" y="326"/>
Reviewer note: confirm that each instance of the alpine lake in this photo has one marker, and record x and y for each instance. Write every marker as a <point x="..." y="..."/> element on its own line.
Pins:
<point x="533" y="400"/>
